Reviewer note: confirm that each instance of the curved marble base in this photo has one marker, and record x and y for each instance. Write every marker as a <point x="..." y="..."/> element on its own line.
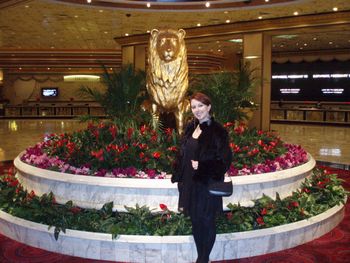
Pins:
<point x="94" y="192"/>
<point x="170" y="249"/>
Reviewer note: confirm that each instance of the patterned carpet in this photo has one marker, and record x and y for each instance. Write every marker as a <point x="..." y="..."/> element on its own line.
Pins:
<point x="334" y="247"/>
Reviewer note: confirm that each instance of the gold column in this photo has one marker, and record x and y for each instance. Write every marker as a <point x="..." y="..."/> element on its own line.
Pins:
<point x="257" y="50"/>
<point x="135" y="55"/>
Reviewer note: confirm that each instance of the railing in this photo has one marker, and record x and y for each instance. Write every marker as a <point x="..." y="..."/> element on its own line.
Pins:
<point x="46" y="111"/>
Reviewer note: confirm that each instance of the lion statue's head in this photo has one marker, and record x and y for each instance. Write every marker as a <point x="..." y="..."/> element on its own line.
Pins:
<point x="167" y="72"/>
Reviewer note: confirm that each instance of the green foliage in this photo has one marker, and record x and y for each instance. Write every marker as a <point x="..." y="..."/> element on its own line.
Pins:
<point x="125" y="92"/>
<point x="317" y="194"/>
<point x="229" y="91"/>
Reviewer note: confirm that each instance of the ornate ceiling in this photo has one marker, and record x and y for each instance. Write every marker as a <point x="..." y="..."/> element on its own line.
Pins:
<point x="66" y="34"/>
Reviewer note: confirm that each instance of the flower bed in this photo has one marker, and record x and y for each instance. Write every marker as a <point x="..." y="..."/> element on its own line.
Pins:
<point x="316" y="195"/>
<point x="108" y="151"/>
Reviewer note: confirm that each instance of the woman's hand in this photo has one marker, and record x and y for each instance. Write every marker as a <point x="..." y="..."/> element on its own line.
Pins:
<point x="194" y="164"/>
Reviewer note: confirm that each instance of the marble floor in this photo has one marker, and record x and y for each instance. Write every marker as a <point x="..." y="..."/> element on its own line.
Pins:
<point x="324" y="143"/>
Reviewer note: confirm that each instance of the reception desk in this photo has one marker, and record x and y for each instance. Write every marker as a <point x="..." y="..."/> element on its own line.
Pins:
<point x="47" y="111"/>
<point x="310" y="114"/>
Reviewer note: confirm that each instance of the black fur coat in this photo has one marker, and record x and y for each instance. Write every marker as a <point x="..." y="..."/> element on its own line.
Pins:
<point x="214" y="153"/>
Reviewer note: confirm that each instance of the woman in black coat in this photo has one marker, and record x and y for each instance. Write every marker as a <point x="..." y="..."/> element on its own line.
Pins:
<point x="204" y="156"/>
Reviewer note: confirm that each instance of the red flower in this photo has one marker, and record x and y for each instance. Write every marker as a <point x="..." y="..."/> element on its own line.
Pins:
<point x="156" y="155"/>
<point x="75" y="209"/>
<point x="130" y="132"/>
<point x="143" y="129"/>
<point x="113" y="130"/>
<point x="163" y="207"/>
<point x="228" y="124"/>
<point x="98" y="154"/>
<point x="168" y="131"/>
<point x="229" y="215"/>
<point x="263" y="211"/>
<point x="172" y="148"/>
<point x="306" y="190"/>
<point x="141" y="155"/>
<point x="31" y="194"/>
<point x="239" y="130"/>
<point x="260" y="221"/>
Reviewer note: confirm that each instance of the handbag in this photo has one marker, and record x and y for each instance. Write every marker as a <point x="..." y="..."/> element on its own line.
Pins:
<point x="220" y="188"/>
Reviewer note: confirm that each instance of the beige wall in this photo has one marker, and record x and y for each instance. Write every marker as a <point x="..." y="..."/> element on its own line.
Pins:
<point x="19" y="91"/>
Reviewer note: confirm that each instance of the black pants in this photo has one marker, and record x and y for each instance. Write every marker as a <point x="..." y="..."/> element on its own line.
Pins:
<point x="204" y="234"/>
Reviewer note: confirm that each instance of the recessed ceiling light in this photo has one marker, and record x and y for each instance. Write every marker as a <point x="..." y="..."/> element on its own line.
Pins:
<point x="111" y="68"/>
<point x="26" y="6"/>
<point x="281" y="45"/>
<point x="48" y="68"/>
<point x="90" y="68"/>
<point x="52" y="47"/>
<point x="207" y="4"/>
<point x="89" y="1"/>
<point x="315" y="38"/>
<point x="335" y="9"/>
<point x="267" y="1"/>
<point x="305" y="44"/>
<point x="148" y="5"/>
<point x="330" y="42"/>
<point x="301" y="48"/>
<point x="226" y="12"/>
<point x="20" y="68"/>
<point x="148" y="31"/>
<point x="236" y="40"/>
<point x="198" y="24"/>
<point x="69" y="68"/>
<point x="101" y="11"/>
<point x="219" y="50"/>
<point x="199" y="47"/>
<point x="217" y="41"/>
<point x="106" y="32"/>
<point x="76" y="16"/>
<point x="260" y="17"/>
<point x="286" y="36"/>
<point x="228" y="21"/>
<point x="296" y="13"/>
<point x="126" y="34"/>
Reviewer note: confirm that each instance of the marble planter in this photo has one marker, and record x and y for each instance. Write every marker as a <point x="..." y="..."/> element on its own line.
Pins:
<point x="94" y="192"/>
<point x="170" y="249"/>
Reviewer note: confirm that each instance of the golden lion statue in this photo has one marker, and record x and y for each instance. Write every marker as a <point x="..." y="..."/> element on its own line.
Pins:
<point x="167" y="73"/>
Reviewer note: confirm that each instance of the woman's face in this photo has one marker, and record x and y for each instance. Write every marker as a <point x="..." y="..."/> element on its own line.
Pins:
<point x="200" y="110"/>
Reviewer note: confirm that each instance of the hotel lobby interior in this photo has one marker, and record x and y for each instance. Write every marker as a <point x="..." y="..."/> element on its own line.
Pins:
<point x="299" y="48"/>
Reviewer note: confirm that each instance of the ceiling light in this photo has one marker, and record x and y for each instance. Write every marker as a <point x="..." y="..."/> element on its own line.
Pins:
<point x="101" y="11"/>
<point x="198" y="24"/>
<point x="236" y="40"/>
<point x="219" y="50"/>
<point x="126" y="34"/>
<point x="260" y="17"/>
<point x="335" y="9"/>
<point x="148" y="5"/>
<point x="226" y="12"/>
<point x="305" y="44"/>
<point x="89" y="1"/>
<point x="286" y="36"/>
<point x="301" y="48"/>
<point x="69" y="68"/>
<point x="267" y="1"/>
<point x="207" y="4"/>
<point x="106" y="32"/>
<point x="48" y="68"/>
<point x="251" y="57"/>
<point x="228" y="21"/>
<point x="52" y="47"/>
<point x="281" y="45"/>
<point x="315" y="38"/>
<point x="330" y="42"/>
<point x="27" y="6"/>
<point x="296" y="13"/>
<point x="20" y="68"/>
<point x="76" y="16"/>
<point x="72" y="78"/>
<point x="148" y="31"/>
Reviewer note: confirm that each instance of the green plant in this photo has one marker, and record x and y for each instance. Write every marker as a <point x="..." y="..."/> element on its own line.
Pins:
<point x="229" y="91"/>
<point x="125" y="92"/>
<point x="316" y="195"/>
